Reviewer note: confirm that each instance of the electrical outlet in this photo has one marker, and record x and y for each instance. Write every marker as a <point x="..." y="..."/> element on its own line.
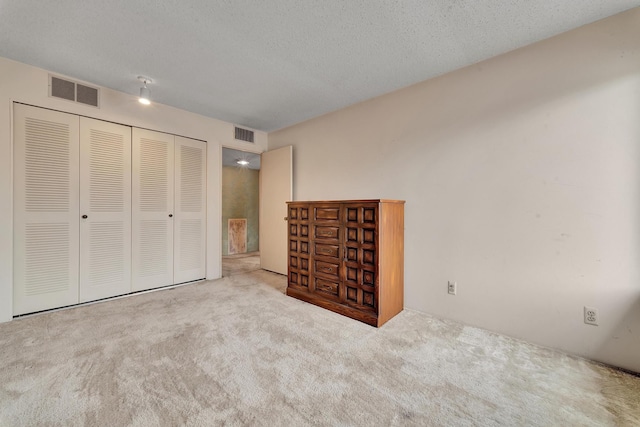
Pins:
<point x="591" y="316"/>
<point x="452" y="287"/>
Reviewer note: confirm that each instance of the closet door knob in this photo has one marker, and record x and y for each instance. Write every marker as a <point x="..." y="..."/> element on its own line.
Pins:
<point x="170" y="215"/>
<point x="84" y="217"/>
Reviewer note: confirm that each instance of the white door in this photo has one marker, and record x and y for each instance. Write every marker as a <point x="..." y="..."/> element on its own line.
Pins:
<point x="152" y="214"/>
<point x="276" y="188"/>
<point x="105" y="209"/>
<point x="190" y="211"/>
<point x="46" y="211"/>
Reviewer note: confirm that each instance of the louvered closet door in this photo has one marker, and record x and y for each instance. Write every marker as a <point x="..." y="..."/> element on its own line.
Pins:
<point x="190" y="214"/>
<point x="105" y="201"/>
<point x="152" y="222"/>
<point x="46" y="220"/>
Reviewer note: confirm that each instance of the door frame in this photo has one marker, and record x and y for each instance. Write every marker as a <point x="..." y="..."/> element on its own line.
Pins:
<point x="218" y="217"/>
<point x="260" y="192"/>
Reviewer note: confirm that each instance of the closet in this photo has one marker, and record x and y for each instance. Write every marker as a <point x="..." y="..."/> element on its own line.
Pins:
<point x="102" y="209"/>
<point x="168" y="209"/>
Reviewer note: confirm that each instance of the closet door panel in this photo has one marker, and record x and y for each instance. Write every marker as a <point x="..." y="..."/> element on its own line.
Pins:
<point x="46" y="221"/>
<point x="190" y="210"/>
<point x="152" y="221"/>
<point x="105" y="200"/>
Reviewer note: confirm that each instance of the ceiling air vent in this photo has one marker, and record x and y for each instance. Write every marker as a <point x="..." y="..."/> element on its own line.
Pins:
<point x="244" y="134"/>
<point x="73" y="91"/>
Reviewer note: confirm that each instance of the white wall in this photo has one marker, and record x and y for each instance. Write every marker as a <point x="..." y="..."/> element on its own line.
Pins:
<point x="23" y="83"/>
<point x="522" y="181"/>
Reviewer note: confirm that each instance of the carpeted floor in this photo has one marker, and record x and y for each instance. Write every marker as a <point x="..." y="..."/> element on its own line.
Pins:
<point x="237" y="351"/>
<point x="241" y="263"/>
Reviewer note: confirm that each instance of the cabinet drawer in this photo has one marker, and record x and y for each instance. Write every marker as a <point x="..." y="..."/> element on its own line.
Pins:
<point x="327" y="268"/>
<point x="331" y="213"/>
<point x="327" y="250"/>
<point x="327" y="287"/>
<point x="326" y="232"/>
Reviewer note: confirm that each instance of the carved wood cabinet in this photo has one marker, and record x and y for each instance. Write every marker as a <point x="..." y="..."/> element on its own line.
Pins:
<point x="348" y="256"/>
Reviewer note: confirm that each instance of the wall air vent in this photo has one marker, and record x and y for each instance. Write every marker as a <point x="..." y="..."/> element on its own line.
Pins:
<point x="73" y="91"/>
<point x="62" y="89"/>
<point x="244" y="134"/>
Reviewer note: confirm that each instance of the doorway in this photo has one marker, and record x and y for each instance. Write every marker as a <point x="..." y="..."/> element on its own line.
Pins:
<point x="240" y="212"/>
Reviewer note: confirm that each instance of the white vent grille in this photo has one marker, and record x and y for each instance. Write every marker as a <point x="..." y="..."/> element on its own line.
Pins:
<point x="107" y="172"/>
<point x="154" y="182"/>
<point x="63" y="89"/>
<point x="46" y="166"/>
<point x="73" y="91"/>
<point x="153" y="248"/>
<point x="191" y="178"/>
<point x="86" y="95"/>
<point x="47" y="258"/>
<point x="106" y="258"/>
<point x="244" y="134"/>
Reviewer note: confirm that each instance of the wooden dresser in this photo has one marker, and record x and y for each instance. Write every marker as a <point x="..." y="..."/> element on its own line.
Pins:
<point x="348" y="256"/>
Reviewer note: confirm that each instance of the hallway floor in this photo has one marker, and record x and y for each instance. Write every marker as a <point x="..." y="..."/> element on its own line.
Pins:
<point x="240" y="263"/>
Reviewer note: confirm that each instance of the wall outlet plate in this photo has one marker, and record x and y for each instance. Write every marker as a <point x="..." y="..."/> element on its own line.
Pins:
<point x="591" y="316"/>
<point x="452" y="287"/>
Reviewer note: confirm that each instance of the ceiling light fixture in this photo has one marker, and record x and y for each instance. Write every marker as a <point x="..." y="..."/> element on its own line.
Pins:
<point x="144" y="90"/>
<point x="242" y="162"/>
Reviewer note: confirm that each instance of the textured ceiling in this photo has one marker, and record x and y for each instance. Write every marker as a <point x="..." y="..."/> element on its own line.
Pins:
<point x="270" y="64"/>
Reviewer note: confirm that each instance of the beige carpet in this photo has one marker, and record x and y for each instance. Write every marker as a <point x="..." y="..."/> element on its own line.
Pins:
<point x="238" y="352"/>
<point x="241" y="263"/>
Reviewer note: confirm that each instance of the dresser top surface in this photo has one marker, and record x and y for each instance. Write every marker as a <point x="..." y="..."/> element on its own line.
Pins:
<point x="347" y="201"/>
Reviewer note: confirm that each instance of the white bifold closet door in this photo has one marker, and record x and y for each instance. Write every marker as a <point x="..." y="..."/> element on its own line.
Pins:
<point x="190" y="214"/>
<point x="169" y="221"/>
<point x="101" y="209"/>
<point x="169" y="209"/>
<point x="105" y="209"/>
<point x="46" y="220"/>
<point x="152" y="234"/>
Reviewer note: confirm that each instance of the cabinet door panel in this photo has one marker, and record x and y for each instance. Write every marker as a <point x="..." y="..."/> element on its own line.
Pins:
<point x="105" y="200"/>
<point x="298" y="248"/>
<point x="152" y="214"/>
<point x="361" y="247"/>
<point x="46" y="221"/>
<point x="190" y="210"/>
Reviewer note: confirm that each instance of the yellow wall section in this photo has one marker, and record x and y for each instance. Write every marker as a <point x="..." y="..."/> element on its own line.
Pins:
<point x="240" y="199"/>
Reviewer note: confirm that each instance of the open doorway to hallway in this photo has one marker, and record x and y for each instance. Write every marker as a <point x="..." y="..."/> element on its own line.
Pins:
<point x="240" y="211"/>
<point x="241" y="263"/>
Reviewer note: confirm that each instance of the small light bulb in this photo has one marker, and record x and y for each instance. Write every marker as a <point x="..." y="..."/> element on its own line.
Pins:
<point x="242" y="162"/>
<point x="144" y="95"/>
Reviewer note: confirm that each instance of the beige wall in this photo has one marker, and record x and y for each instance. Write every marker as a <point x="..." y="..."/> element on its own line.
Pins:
<point x="522" y="181"/>
<point x="240" y="199"/>
<point x="23" y="83"/>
